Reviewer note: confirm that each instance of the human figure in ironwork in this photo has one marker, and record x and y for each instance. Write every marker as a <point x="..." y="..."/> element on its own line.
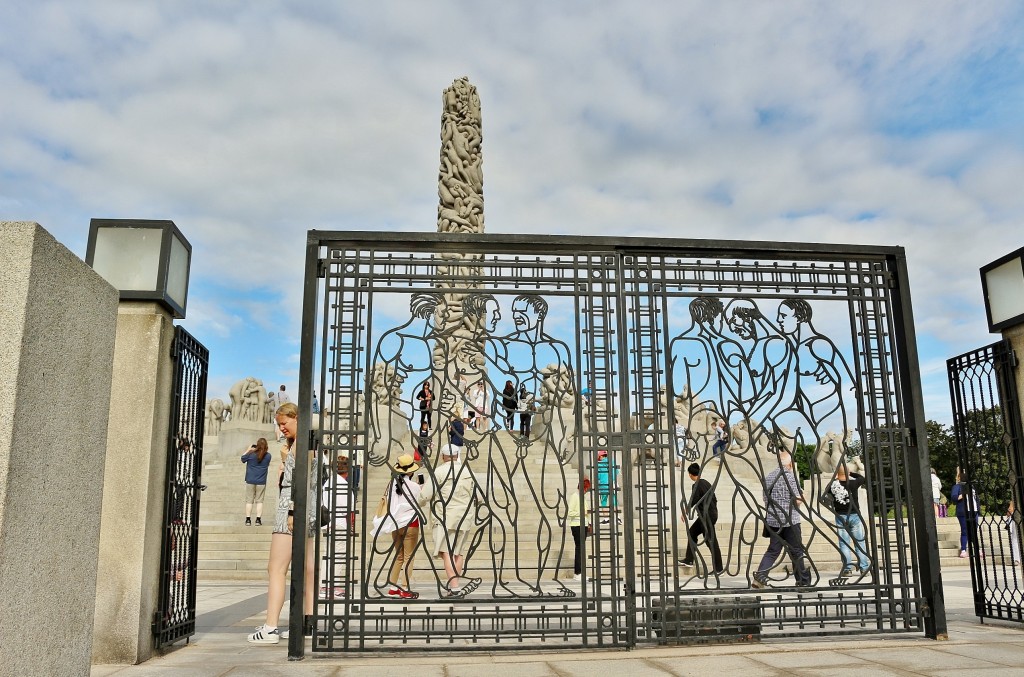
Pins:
<point x="694" y="354"/>
<point x="524" y="355"/>
<point x="478" y="357"/>
<point x="406" y="351"/>
<point x="533" y="354"/>
<point x="699" y="360"/>
<point x="762" y="370"/>
<point x="452" y="497"/>
<point x="821" y="373"/>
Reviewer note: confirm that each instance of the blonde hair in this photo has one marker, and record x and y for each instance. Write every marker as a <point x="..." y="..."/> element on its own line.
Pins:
<point x="287" y="409"/>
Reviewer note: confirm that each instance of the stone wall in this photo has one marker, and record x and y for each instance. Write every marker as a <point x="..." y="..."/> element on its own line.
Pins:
<point x="57" y="319"/>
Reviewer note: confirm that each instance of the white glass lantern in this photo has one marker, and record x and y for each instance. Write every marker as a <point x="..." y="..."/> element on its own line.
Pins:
<point x="1002" y="283"/>
<point x="144" y="260"/>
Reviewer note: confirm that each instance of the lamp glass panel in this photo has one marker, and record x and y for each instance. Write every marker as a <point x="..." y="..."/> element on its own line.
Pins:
<point x="1006" y="291"/>
<point x="128" y="258"/>
<point x="177" y="272"/>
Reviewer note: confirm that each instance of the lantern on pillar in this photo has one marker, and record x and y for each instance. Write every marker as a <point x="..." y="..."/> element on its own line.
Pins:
<point x="1002" y="283"/>
<point x="145" y="260"/>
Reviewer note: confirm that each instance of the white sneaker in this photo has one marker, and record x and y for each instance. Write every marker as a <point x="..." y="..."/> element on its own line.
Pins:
<point x="264" y="636"/>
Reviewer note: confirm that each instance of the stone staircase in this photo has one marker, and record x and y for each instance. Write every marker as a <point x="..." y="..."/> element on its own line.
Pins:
<point x="228" y="550"/>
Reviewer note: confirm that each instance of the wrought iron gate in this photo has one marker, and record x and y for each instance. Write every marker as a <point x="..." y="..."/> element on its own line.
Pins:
<point x="622" y="355"/>
<point x="175" y="618"/>
<point x="987" y="424"/>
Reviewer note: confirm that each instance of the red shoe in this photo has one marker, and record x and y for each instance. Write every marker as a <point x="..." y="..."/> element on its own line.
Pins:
<point x="395" y="592"/>
<point x="409" y="594"/>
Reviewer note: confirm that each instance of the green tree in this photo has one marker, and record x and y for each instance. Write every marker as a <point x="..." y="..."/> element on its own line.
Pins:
<point x="983" y="450"/>
<point x="943" y="453"/>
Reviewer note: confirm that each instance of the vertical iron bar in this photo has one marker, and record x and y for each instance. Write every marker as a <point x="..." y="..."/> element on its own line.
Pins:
<point x="300" y="476"/>
<point x="919" y="472"/>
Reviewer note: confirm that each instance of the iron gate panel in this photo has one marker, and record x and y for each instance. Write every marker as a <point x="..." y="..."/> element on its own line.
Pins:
<point x="630" y="351"/>
<point x="987" y="425"/>
<point x="175" y="618"/>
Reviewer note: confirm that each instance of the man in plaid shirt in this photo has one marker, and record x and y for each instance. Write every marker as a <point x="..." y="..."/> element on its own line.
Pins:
<point x="782" y="522"/>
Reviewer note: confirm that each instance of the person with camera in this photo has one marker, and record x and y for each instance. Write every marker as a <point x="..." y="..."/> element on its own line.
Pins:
<point x="257" y="462"/>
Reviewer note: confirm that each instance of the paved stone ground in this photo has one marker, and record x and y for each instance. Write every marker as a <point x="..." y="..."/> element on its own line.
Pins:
<point x="228" y="611"/>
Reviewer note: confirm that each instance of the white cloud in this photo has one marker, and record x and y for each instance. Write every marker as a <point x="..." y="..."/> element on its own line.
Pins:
<point x="249" y="124"/>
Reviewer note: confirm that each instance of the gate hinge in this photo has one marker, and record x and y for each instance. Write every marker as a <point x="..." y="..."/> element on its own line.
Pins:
<point x="892" y="281"/>
<point x="321" y="268"/>
<point x="926" y="609"/>
<point x="312" y="439"/>
<point x="910" y="437"/>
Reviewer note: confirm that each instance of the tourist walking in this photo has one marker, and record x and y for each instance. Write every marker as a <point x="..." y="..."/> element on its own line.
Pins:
<point x="402" y="521"/>
<point x="782" y="497"/>
<point x="257" y="461"/>
<point x="578" y="518"/>
<point x="703" y="506"/>
<point x="452" y="496"/>
<point x="966" y="501"/>
<point x="281" y="540"/>
<point x="425" y="397"/>
<point x="509" y="402"/>
<point x="843" y="497"/>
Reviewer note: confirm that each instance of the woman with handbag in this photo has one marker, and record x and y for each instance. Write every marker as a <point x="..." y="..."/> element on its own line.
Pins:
<point x="401" y="519"/>
<point x="281" y="540"/>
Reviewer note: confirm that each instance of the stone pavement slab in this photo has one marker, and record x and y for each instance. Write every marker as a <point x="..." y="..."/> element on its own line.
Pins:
<point x="228" y="612"/>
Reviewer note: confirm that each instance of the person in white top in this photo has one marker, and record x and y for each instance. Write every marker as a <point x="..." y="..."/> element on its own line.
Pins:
<point x="936" y="492"/>
<point x="453" y="518"/>
<point x="402" y="521"/>
<point x="335" y="499"/>
<point x="578" y="519"/>
<point x="480" y="404"/>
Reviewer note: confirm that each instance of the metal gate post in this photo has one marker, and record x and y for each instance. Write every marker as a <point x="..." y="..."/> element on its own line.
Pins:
<point x="919" y="469"/>
<point x="303" y="445"/>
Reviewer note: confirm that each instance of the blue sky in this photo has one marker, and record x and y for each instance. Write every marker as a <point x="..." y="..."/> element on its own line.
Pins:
<point x="250" y="123"/>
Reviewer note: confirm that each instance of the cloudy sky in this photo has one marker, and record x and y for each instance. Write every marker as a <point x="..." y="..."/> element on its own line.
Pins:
<point x="249" y="123"/>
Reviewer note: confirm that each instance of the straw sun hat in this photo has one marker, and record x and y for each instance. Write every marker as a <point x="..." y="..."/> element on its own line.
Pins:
<point x="406" y="464"/>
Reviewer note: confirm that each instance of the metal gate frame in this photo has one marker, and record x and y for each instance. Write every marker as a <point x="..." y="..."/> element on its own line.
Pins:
<point x="175" y="617"/>
<point x="910" y="549"/>
<point x="987" y="426"/>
